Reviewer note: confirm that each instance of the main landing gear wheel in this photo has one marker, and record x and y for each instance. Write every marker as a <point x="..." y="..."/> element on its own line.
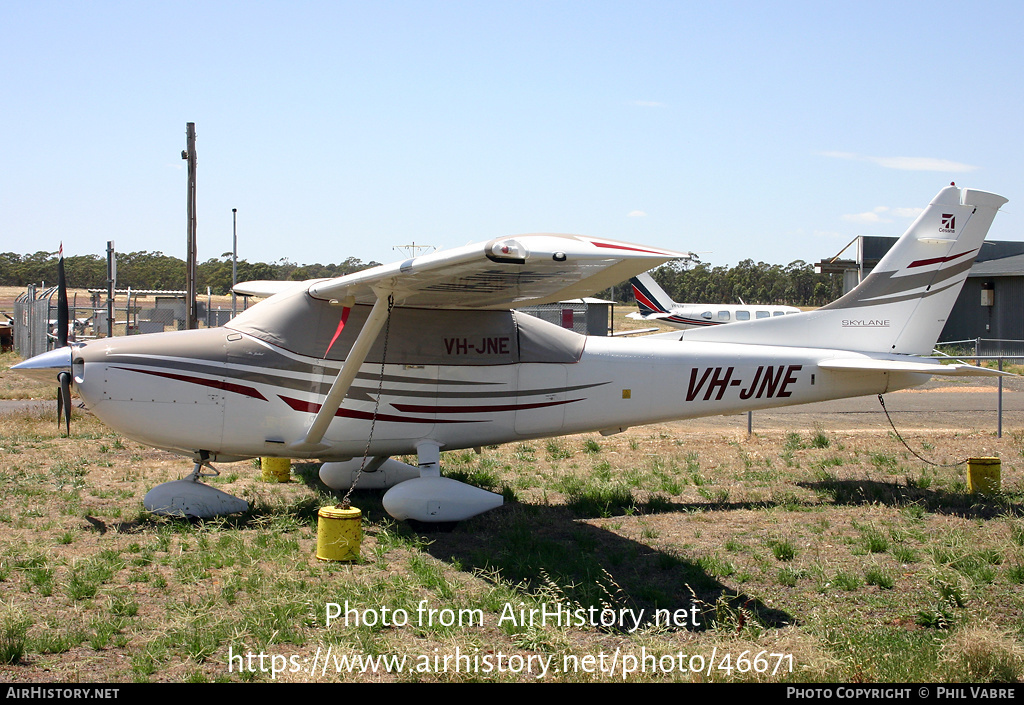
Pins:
<point x="417" y="494"/>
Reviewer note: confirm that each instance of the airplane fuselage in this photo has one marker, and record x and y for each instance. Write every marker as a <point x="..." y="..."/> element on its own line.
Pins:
<point x="686" y="316"/>
<point x="458" y="378"/>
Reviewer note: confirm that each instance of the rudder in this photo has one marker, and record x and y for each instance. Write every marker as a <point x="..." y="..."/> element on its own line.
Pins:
<point x="650" y="298"/>
<point x="903" y="304"/>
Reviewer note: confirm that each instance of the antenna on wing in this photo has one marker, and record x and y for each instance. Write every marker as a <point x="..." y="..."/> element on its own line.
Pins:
<point x="413" y="250"/>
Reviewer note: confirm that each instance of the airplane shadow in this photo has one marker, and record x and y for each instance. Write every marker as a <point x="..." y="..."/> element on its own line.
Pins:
<point x="548" y="551"/>
<point x="938" y="501"/>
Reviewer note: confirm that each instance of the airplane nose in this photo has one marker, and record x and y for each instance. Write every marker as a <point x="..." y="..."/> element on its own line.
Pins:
<point x="47" y="366"/>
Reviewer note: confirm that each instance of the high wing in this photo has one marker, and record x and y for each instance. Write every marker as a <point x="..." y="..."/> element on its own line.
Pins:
<point x="266" y="287"/>
<point x="498" y="274"/>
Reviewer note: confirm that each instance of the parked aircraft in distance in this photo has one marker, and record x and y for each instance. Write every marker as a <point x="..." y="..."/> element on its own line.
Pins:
<point x="656" y="305"/>
<point x="428" y="354"/>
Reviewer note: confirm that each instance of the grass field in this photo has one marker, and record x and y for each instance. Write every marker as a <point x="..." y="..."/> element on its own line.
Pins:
<point x="798" y="555"/>
<point x="803" y="556"/>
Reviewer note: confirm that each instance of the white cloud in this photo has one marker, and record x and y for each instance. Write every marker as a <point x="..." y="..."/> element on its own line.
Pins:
<point x="877" y="215"/>
<point x="868" y="217"/>
<point x="906" y="163"/>
<point x="922" y="164"/>
<point x="637" y="214"/>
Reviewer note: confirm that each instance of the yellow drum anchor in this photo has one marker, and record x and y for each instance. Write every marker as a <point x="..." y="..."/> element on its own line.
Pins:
<point x="276" y="469"/>
<point x="983" y="475"/>
<point x="339" y="531"/>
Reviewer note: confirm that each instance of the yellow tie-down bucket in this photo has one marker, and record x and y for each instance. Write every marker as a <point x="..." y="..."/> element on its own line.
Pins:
<point x="276" y="469"/>
<point x="339" y="532"/>
<point x="983" y="475"/>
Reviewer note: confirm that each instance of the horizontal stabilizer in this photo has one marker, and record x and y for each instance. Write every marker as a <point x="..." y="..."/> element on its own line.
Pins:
<point x="637" y="316"/>
<point x="931" y="368"/>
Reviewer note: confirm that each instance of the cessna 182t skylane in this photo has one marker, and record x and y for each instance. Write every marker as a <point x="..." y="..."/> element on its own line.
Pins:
<point x="428" y="354"/>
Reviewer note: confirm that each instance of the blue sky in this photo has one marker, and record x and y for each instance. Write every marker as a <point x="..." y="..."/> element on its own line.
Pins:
<point x="774" y="131"/>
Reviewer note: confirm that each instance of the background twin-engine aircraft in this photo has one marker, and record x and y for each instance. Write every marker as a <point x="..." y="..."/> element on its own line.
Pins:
<point x="429" y="354"/>
<point x="656" y="305"/>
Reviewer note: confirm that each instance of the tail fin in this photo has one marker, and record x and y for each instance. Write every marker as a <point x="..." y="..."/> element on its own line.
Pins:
<point x="650" y="298"/>
<point x="902" y="305"/>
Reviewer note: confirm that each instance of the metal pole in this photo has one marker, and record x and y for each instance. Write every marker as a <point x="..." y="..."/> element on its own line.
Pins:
<point x="111" y="277"/>
<point x="133" y="312"/>
<point x="999" y="432"/>
<point x="191" y="312"/>
<point x="234" y="261"/>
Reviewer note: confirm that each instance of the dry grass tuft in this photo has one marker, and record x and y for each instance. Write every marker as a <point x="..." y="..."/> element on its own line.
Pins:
<point x="985" y="654"/>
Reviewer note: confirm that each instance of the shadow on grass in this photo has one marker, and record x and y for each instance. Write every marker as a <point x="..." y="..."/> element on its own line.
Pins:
<point x="968" y="506"/>
<point x="547" y="550"/>
<point x="300" y="511"/>
<point x="543" y="548"/>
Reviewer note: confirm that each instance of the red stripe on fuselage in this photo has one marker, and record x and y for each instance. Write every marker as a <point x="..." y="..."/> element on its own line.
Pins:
<point x="215" y="383"/>
<point x="313" y="408"/>
<point x="425" y="409"/>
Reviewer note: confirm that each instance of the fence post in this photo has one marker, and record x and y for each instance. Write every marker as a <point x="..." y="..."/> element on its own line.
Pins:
<point x="999" y="431"/>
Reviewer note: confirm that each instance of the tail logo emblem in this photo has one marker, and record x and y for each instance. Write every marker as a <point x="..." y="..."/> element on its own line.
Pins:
<point x="948" y="223"/>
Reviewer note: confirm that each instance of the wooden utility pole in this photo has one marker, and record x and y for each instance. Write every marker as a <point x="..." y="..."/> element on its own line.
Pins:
<point x="191" y="312"/>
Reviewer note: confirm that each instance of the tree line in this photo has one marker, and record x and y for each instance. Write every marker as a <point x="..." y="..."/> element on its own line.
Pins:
<point x="155" y="270"/>
<point x="794" y="284"/>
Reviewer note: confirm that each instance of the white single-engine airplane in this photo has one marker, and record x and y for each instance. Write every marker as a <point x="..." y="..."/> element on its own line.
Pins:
<point x="428" y="354"/>
<point x="656" y="305"/>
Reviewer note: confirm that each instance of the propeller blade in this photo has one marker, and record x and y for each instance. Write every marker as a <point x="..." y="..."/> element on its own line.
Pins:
<point x="64" y="400"/>
<point x="62" y="301"/>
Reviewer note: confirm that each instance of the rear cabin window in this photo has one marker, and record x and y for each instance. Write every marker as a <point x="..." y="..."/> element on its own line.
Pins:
<point x="723" y="315"/>
<point x="743" y="315"/>
<point x="764" y="314"/>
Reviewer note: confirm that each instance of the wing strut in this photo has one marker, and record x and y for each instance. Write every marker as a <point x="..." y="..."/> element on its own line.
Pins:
<point x="360" y="349"/>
